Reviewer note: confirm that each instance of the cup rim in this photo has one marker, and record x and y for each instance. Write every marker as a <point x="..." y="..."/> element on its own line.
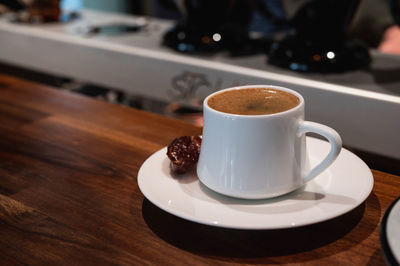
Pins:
<point x="294" y="109"/>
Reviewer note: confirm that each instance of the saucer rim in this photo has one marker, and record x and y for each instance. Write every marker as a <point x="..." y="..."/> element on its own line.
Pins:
<point x="387" y="250"/>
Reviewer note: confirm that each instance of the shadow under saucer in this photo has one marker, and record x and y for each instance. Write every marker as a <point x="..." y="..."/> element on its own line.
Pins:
<point x="242" y="245"/>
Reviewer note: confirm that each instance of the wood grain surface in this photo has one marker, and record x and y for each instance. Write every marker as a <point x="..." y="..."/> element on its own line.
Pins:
<point x="69" y="194"/>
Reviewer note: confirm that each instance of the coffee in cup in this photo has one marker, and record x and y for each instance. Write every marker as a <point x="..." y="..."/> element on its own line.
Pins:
<point x="253" y="101"/>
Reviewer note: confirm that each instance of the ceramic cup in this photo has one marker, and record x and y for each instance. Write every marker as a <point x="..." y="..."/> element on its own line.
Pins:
<point x="260" y="156"/>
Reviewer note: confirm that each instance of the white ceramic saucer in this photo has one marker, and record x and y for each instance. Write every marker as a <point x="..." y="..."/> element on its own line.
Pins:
<point x="390" y="233"/>
<point x="339" y="189"/>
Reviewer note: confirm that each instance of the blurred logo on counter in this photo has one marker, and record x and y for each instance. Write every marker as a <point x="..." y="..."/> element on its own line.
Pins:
<point x="191" y="88"/>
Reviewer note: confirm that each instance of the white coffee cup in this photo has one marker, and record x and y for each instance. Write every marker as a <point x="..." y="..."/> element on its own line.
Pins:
<point x="259" y="156"/>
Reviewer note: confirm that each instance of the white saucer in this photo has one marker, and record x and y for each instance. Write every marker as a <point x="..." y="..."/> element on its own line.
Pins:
<point x="339" y="189"/>
<point x="390" y="233"/>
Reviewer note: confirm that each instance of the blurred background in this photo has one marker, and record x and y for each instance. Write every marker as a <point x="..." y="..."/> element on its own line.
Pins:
<point x="165" y="56"/>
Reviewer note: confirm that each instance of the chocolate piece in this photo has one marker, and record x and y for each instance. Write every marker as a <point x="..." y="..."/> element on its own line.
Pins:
<point x="184" y="153"/>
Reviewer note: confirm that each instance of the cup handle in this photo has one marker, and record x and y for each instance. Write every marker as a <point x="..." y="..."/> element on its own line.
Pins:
<point x="334" y="139"/>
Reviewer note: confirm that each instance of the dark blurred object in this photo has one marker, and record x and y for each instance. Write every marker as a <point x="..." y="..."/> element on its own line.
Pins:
<point x="395" y="10"/>
<point x="370" y="22"/>
<point x="269" y="18"/>
<point x="320" y="42"/>
<point x="115" y="29"/>
<point x="14" y="5"/>
<point x="210" y="26"/>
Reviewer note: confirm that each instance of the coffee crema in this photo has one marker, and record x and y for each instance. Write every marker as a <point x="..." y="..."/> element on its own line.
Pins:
<point x="253" y="101"/>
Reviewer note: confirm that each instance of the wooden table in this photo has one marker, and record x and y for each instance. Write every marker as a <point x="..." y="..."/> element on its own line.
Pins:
<point x="69" y="194"/>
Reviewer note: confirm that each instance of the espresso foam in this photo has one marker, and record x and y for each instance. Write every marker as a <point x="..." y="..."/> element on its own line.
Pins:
<point x="253" y="101"/>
